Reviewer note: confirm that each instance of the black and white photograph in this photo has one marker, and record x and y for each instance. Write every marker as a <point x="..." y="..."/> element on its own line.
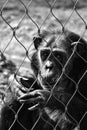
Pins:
<point x="43" y="64"/>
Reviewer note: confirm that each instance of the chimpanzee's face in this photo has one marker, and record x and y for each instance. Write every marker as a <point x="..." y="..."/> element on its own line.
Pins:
<point x="51" y="61"/>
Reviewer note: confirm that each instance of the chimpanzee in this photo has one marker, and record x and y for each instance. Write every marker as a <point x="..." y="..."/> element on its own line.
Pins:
<point x="51" y="97"/>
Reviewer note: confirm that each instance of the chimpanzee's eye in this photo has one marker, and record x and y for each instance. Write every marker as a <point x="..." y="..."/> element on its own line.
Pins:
<point x="45" y="54"/>
<point x="58" y="55"/>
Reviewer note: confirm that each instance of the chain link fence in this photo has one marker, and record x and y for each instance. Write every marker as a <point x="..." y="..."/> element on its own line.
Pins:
<point x="27" y="49"/>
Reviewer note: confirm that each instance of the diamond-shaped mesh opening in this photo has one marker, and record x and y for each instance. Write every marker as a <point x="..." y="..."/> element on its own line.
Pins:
<point x="22" y="25"/>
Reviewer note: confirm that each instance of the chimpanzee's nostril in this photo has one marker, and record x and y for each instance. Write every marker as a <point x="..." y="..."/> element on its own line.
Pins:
<point x="50" y="67"/>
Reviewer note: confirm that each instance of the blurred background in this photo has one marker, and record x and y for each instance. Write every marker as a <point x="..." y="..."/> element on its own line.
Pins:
<point x="59" y="3"/>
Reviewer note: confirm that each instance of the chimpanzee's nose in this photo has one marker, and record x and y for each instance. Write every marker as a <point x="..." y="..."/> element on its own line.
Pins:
<point x="49" y="65"/>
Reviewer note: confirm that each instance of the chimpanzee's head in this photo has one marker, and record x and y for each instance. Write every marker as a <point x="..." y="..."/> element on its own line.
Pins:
<point x="51" y="56"/>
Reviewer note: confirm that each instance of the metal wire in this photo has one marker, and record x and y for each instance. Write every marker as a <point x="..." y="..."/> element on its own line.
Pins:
<point x="27" y="52"/>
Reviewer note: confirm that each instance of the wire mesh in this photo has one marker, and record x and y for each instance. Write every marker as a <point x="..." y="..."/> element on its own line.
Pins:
<point x="38" y="25"/>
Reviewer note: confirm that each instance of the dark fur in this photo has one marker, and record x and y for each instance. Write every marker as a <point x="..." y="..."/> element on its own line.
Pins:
<point x="55" y="56"/>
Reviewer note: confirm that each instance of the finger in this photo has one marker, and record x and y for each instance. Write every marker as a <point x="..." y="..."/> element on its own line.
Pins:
<point x="32" y="100"/>
<point x="33" y="107"/>
<point x="28" y="96"/>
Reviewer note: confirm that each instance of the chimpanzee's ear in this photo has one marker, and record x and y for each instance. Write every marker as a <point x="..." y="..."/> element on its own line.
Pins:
<point x="37" y="42"/>
<point x="29" y="82"/>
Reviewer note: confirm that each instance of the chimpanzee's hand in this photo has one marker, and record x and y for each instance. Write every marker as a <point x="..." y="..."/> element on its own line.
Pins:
<point x="36" y="97"/>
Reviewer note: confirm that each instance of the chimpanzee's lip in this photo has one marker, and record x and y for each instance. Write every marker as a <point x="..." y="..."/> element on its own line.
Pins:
<point x="48" y="83"/>
<point x="50" y="80"/>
